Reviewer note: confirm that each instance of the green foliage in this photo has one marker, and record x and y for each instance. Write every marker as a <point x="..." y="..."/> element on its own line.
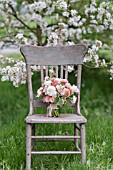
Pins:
<point x="96" y="105"/>
<point x="108" y="55"/>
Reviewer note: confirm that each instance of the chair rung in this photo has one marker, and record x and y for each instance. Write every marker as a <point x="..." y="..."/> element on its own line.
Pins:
<point x="55" y="137"/>
<point x="55" y="152"/>
<point x="54" y="140"/>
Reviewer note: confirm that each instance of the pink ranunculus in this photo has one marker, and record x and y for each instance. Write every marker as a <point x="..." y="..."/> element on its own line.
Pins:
<point x="56" y="82"/>
<point x="52" y="72"/>
<point x="52" y="99"/>
<point x="46" y="99"/>
<point x="68" y="85"/>
<point x="52" y="79"/>
<point x="64" y="81"/>
<point x="66" y="92"/>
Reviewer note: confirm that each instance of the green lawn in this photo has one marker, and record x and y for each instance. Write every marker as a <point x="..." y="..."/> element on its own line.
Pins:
<point x="96" y="105"/>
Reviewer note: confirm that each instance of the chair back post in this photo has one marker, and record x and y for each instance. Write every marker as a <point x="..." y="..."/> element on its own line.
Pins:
<point x="30" y="89"/>
<point x="79" y="72"/>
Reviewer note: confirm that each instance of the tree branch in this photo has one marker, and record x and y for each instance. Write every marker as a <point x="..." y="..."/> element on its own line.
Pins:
<point x="80" y="6"/>
<point x="38" y="34"/>
<point x="25" y="25"/>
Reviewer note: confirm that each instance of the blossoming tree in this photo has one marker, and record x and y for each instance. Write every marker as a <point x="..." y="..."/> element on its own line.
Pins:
<point x="55" y="22"/>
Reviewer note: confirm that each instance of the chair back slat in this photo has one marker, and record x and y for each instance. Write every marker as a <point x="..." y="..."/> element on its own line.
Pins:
<point x="62" y="55"/>
<point x="42" y="74"/>
<point x="66" y="72"/>
<point x="46" y="70"/>
<point x="56" y="70"/>
<point x="61" y="71"/>
<point x="79" y="71"/>
<point x="51" y="67"/>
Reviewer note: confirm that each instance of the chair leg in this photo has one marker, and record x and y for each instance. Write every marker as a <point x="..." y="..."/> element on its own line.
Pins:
<point x="75" y="134"/>
<point x="28" y="146"/>
<point x="83" y="143"/>
<point x="33" y="134"/>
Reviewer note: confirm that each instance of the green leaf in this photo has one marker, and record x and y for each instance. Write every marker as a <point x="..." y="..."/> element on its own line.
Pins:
<point x="60" y="102"/>
<point x="65" y="104"/>
<point x="56" y="100"/>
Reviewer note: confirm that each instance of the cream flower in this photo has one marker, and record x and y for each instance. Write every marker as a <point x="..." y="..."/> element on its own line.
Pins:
<point x="47" y="83"/>
<point x="51" y="91"/>
<point x="39" y="92"/>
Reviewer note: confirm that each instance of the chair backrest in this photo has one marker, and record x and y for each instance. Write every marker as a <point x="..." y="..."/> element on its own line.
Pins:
<point x="61" y="56"/>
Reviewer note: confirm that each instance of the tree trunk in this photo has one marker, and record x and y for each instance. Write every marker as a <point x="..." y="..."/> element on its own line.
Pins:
<point x="39" y="35"/>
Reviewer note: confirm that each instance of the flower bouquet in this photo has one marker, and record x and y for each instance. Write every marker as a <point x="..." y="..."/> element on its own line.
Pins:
<point x="56" y="92"/>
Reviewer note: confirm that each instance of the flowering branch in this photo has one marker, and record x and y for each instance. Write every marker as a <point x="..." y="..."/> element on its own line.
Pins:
<point x="60" y="22"/>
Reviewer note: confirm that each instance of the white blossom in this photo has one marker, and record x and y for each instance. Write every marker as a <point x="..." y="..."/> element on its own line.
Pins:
<point x="70" y="69"/>
<point x="62" y="4"/>
<point x="59" y="23"/>
<point x="103" y="63"/>
<point x="73" y="12"/>
<point x="65" y="14"/>
<point x="47" y="83"/>
<point x="111" y="72"/>
<point x="38" y="6"/>
<point x="19" y="36"/>
<point x="1" y="56"/>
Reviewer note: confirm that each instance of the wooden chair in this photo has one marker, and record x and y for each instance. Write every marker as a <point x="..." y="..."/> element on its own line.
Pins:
<point x="59" y="57"/>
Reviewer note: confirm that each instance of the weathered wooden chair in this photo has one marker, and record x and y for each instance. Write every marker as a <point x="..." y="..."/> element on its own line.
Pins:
<point x="58" y="57"/>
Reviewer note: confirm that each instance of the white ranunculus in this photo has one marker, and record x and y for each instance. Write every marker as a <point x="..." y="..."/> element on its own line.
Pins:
<point x="47" y="83"/>
<point x="51" y="91"/>
<point x="60" y="88"/>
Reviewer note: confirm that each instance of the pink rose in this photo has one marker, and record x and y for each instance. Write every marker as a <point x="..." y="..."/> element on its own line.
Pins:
<point x="64" y="81"/>
<point x="56" y="82"/>
<point x="48" y="99"/>
<point x="66" y="92"/>
<point x="52" y="99"/>
<point x="74" y="89"/>
<point x="52" y="79"/>
<point x="68" y="85"/>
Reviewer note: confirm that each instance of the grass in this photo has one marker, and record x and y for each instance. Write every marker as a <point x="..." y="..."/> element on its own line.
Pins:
<point x="15" y="56"/>
<point x="97" y="107"/>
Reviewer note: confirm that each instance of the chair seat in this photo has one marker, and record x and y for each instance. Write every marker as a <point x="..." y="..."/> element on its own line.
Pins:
<point x="62" y="118"/>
